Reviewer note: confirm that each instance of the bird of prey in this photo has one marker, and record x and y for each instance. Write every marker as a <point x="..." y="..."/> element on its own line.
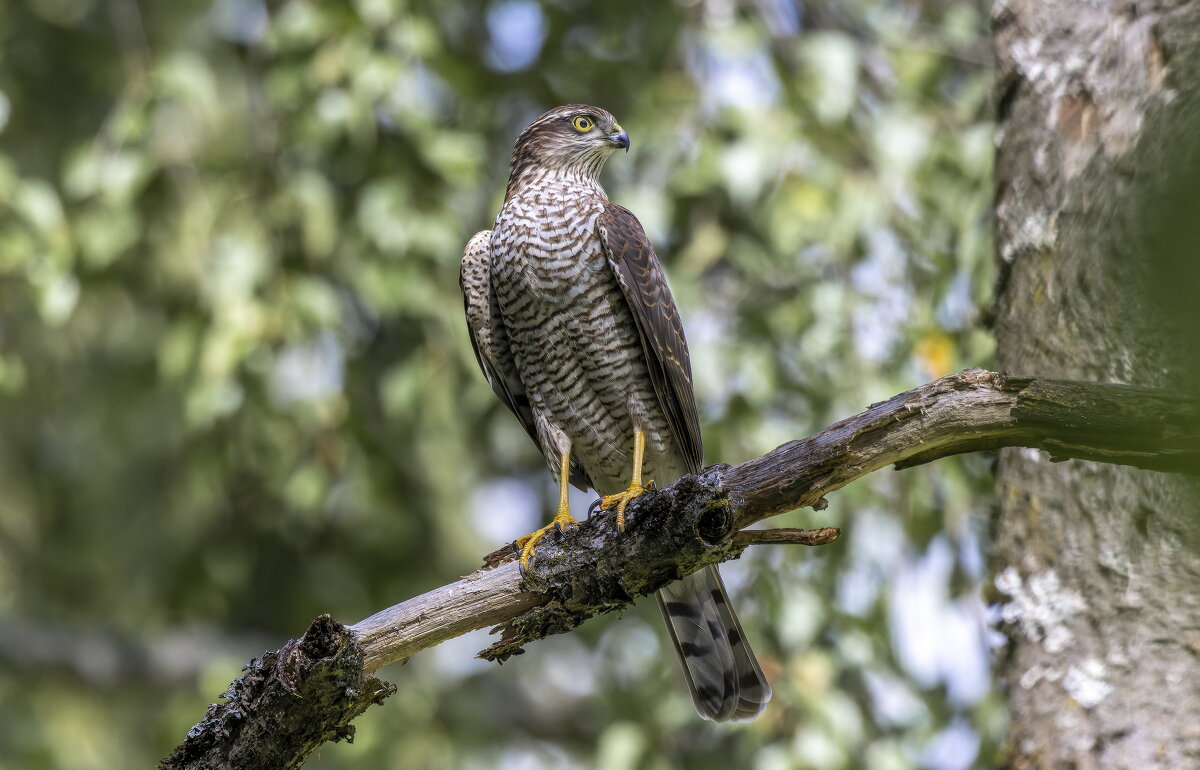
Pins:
<point x="577" y="333"/>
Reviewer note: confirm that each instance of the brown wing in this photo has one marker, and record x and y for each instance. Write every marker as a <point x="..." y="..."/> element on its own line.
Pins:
<point x="490" y="340"/>
<point x="641" y="277"/>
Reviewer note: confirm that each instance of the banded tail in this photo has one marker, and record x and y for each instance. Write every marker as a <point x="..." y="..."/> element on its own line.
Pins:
<point x="723" y="675"/>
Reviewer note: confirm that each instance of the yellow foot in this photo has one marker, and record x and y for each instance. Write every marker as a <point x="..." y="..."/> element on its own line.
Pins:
<point x="562" y="520"/>
<point x="621" y="499"/>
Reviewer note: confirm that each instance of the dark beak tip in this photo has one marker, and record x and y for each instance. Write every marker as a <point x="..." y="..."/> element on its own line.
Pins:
<point x="621" y="139"/>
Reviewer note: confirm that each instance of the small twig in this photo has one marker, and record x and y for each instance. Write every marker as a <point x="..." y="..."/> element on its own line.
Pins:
<point x="822" y="536"/>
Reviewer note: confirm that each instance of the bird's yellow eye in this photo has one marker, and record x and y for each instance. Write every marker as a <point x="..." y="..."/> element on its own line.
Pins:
<point x="583" y="124"/>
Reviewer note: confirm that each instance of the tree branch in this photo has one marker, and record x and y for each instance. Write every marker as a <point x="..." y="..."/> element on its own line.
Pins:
<point x="672" y="532"/>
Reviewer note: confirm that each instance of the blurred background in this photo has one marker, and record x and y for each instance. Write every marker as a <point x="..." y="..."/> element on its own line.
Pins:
<point x="236" y="387"/>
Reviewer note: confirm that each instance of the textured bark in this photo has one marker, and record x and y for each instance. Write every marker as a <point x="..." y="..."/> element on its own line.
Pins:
<point x="287" y="704"/>
<point x="1096" y="235"/>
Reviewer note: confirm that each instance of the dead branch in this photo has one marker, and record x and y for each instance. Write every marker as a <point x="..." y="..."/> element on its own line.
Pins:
<point x="698" y="520"/>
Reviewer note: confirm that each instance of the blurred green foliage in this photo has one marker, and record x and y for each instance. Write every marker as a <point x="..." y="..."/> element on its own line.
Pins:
<point x="236" y="389"/>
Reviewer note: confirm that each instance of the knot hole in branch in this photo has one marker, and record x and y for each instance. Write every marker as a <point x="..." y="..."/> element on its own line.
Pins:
<point x="715" y="524"/>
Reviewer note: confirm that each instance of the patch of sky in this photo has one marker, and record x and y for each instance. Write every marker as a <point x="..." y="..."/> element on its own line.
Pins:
<point x="517" y="30"/>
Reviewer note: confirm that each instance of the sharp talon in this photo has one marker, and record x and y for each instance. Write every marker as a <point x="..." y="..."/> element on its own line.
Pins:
<point x="651" y="485"/>
<point x="526" y="544"/>
<point x="595" y="506"/>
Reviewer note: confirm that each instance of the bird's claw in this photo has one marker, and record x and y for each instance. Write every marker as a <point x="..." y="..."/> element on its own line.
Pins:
<point x="563" y="520"/>
<point x="621" y="500"/>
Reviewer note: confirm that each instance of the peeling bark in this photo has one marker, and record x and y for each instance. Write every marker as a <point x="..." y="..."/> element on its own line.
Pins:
<point x="1097" y="235"/>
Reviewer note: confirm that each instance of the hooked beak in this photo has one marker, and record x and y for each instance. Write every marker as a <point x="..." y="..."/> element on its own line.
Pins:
<point x="620" y="139"/>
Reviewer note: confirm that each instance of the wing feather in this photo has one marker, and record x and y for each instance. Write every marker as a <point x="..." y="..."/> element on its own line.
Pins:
<point x="632" y="260"/>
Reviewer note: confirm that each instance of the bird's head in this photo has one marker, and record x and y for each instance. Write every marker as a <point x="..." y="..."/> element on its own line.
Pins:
<point x="573" y="138"/>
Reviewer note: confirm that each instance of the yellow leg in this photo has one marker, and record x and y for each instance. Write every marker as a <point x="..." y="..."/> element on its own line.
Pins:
<point x="621" y="499"/>
<point x="562" y="518"/>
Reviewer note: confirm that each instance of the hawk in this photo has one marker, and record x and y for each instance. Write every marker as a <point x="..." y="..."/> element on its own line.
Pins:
<point x="577" y="333"/>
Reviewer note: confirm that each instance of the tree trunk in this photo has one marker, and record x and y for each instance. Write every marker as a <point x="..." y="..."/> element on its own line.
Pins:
<point x="1098" y="212"/>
